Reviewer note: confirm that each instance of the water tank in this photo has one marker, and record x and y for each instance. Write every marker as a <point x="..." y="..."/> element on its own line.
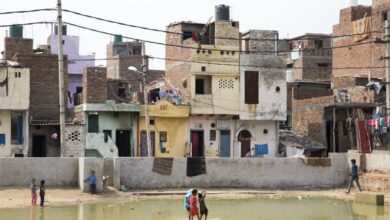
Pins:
<point x="222" y="13"/>
<point x="64" y="32"/>
<point x="16" y="31"/>
<point x="351" y="3"/>
<point x="117" y="38"/>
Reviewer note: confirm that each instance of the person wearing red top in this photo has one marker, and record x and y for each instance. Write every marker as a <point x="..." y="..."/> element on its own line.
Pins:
<point x="194" y="205"/>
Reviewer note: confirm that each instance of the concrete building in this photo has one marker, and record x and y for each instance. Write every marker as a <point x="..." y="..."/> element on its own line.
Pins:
<point x="71" y="48"/>
<point x="168" y="129"/>
<point x="213" y="85"/>
<point x="110" y="127"/>
<point x="121" y="55"/>
<point x="44" y="92"/>
<point x="14" y="114"/>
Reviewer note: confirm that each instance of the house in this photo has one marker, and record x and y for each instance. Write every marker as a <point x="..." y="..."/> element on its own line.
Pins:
<point x="110" y="125"/>
<point x="213" y="83"/>
<point x="44" y="114"/>
<point x="14" y="110"/>
<point x="168" y="129"/>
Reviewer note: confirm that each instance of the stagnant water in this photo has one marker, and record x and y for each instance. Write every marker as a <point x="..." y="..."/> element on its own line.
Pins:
<point x="222" y="209"/>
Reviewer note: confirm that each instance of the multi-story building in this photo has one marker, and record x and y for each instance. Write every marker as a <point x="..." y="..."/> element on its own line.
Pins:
<point x="14" y="114"/>
<point x="77" y="62"/>
<point x="209" y="78"/>
<point x="44" y="92"/>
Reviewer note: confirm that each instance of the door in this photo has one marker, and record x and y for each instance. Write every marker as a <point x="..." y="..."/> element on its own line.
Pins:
<point x="197" y="143"/>
<point x="144" y="149"/>
<point x="123" y="142"/>
<point x="244" y="137"/>
<point x="224" y="150"/>
<point x="39" y="146"/>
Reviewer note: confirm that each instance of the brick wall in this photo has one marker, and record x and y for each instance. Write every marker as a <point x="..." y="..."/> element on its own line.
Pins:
<point x="44" y="90"/>
<point x="178" y="72"/>
<point x="13" y="46"/>
<point x="308" y="117"/>
<point x="364" y="55"/>
<point x="95" y="85"/>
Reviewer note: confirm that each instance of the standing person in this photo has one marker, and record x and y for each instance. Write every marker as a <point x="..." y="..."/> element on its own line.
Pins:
<point x="187" y="202"/>
<point x="92" y="182"/>
<point x="202" y="205"/>
<point x="354" y="176"/>
<point x="33" y="188"/>
<point x="194" y="205"/>
<point x="42" y="192"/>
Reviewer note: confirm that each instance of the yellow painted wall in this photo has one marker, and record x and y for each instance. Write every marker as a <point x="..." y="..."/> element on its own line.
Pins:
<point x="221" y="100"/>
<point x="165" y="108"/>
<point x="18" y="97"/>
<point x="176" y="129"/>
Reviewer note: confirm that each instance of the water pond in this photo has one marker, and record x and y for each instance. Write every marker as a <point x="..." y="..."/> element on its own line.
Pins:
<point x="219" y="209"/>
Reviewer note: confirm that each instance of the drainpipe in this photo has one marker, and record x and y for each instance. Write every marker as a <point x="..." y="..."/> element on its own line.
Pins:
<point x="27" y="136"/>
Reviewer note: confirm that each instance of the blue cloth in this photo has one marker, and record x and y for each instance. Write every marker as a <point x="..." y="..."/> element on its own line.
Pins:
<point x="354" y="171"/>
<point x="187" y="199"/>
<point x="91" y="179"/>
<point x="261" y="149"/>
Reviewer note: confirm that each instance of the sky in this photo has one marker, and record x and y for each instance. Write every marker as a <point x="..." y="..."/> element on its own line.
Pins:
<point x="290" y="17"/>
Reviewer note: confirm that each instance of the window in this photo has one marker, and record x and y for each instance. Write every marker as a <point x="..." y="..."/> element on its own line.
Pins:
<point x="203" y="69"/>
<point x="261" y="149"/>
<point x="277" y="89"/>
<point x="384" y="16"/>
<point x="163" y="107"/>
<point x="226" y="84"/>
<point x="246" y="46"/>
<point x="186" y="35"/>
<point x="323" y="65"/>
<point x="163" y="141"/>
<point x="16" y="128"/>
<point x="265" y="131"/>
<point x="203" y="85"/>
<point x="213" y="135"/>
<point x="251" y="87"/>
<point x="137" y="51"/>
<point x="121" y="92"/>
<point x="93" y="123"/>
<point x="2" y="139"/>
<point x="318" y="44"/>
<point x="151" y="121"/>
<point x="79" y="90"/>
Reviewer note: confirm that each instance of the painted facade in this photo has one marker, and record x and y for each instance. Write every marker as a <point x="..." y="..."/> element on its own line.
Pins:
<point x="168" y="129"/>
<point x="14" y="105"/>
<point x="110" y="129"/>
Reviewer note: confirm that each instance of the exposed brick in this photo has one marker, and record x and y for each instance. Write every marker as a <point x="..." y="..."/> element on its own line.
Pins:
<point x="13" y="46"/>
<point x="95" y="85"/>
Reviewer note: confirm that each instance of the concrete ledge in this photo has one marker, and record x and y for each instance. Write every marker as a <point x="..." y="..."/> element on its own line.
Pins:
<point x="370" y="198"/>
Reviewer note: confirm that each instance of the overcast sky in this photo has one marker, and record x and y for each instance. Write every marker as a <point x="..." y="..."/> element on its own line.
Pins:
<point x="290" y="17"/>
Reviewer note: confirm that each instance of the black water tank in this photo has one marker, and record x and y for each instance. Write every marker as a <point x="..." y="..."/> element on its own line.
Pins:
<point x="222" y="13"/>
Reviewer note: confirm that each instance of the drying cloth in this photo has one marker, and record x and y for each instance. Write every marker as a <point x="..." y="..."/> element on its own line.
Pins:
<point x="361" y="29"/>
<point x="362" y="137"/>
<point x="163" y="165"/>
<point x="196" y="166"/>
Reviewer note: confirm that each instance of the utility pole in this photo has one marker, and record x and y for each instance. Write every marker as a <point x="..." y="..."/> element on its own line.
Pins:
<point x="144" y="72"/>
<point x="387" y="56"/>
<point x="61" y="77"/>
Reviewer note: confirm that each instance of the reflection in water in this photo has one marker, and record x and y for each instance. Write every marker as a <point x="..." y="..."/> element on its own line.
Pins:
<point x="219" y="209"/>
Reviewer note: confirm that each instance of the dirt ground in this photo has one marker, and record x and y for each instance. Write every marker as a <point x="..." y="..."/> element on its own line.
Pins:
<point x="20" y="197"/>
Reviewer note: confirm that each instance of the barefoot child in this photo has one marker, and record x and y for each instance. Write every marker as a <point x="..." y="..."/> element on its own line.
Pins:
<point x="92" y="182"/>
<point x="202" y="205"/>
<point x="193" y="205"/>
<point x="33" y="188"/>
<point x="42" y="192"/>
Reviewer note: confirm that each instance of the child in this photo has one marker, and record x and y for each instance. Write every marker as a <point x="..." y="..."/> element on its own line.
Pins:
<point x="33" y="188"/>
<point x="354" y="176"/>
<point x="92" y="182"/>
<point x="42" y="192"/>
<point x="202" y="205"/>
<point x="187" y="202"/>
<point x="193" y="205"/>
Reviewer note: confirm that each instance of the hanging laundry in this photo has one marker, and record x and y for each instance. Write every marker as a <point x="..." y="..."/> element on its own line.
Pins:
<point x="196" y="166"/>
<point x="381" y="122"/>
<point x="362" y="137"/>
<point x="162" y="165"/>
